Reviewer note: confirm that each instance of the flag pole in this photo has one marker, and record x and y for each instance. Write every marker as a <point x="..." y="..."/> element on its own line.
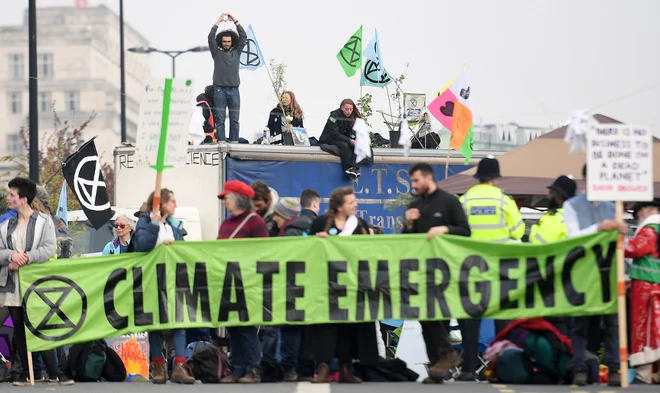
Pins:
<point x="447" y="161"/>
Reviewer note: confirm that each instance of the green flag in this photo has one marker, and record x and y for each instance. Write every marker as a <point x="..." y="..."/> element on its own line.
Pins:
<point x="350" y="55"/>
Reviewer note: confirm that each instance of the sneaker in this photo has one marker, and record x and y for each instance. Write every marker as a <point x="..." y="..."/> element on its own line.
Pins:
<point x="467" y="377"/>
<point x="222" y="143"/>
<point x="231" y="378"/>
<point x="614" y="379"/>
<point x="61" y="380"/>
<point x="291" y="376"/>
<point x="580" y="378"/>
<point x="351" y="172"/>
<point x="251" y="376"/>
<point x="21" y="382"/>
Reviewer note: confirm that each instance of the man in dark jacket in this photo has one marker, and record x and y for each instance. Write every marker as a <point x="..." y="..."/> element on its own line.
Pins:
<point x="206" y="101"/>
<point x="310" y="201"/>
<point x="435" y="212"/>
<point x="338" y="131"/>
<point x="226" y="51"/>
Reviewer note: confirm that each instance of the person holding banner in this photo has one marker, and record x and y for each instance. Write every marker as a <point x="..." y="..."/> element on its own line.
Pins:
<point x="584" y="217"/>
<point x="346" y="341"/>
<point x="242" y="223"/>
<point x="436" y="212"/>
<point x="153" y="229"/>
<point x="25" y="239"/>
<point x="644" y="248"/>
<point x="226" y="51"/>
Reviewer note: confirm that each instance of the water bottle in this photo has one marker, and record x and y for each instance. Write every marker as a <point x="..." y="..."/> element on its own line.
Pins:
<point x="265" y="141"/>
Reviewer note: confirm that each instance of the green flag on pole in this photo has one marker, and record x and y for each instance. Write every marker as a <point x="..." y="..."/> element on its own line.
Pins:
<point x="350" y="55"/>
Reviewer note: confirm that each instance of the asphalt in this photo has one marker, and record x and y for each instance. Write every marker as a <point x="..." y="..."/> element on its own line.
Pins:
<point x="463" y="387"/>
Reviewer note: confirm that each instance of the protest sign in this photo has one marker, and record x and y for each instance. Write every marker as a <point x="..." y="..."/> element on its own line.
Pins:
<point x="619" y="163"/>
<point x="309" y="280"/>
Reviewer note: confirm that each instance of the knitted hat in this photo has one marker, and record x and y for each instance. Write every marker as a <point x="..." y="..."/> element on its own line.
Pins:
<point x="42" y="195"/>
<point x="287" y="208"/>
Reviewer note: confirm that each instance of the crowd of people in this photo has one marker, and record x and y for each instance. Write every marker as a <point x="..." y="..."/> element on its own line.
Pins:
<point x="316" y="353"/>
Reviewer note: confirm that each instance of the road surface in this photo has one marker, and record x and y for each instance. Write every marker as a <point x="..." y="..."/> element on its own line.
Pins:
<point x="450" y="387"/>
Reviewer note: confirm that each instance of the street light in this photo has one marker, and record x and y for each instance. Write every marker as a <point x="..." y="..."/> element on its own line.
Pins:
<point x="171" y="53"/>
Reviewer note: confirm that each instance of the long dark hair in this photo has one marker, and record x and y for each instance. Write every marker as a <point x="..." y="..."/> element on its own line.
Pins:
<point x="209" y="92"/>
<point x="337" y="199"/>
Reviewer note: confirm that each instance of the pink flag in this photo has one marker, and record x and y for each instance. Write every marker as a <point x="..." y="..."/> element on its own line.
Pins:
<point x="442" y="108"/>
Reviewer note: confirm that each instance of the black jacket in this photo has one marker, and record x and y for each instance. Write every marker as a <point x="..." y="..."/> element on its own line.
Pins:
<point x="300" y="225"/>
<point x="275" y="121"/>
<point x="206" y="112"/>
<point x="338" y="128"/>
<point x="439" y="208"/>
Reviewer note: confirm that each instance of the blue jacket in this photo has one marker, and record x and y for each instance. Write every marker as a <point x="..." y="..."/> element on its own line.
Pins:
<point x="7" y="215"/>
<point x="146" y="232"/>
<point x="113" y="247"/>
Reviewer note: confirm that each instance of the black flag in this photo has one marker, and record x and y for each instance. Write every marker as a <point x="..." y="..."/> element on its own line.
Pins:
<point x="82" y="171"/>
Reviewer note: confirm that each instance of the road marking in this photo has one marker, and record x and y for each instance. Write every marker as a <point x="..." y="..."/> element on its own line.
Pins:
<point x="308" y="387"/>
<point x="497" y="386"/>
<point x="506" y="390"/>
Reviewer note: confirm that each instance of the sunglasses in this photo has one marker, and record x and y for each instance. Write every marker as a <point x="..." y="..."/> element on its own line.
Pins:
<point x="120" y="226"/>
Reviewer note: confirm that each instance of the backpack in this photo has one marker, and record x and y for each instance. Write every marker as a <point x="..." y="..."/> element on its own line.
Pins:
<point x="94" y="361"/>
<point x="209" y="363"/>
<point x="541" y="357"/>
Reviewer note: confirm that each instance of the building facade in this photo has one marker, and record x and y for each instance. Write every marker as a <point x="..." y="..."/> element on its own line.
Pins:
<point x="498" y="137"/>
<point x="78" y="73"/>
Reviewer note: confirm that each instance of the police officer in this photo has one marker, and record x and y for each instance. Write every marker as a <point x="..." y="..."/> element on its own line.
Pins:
<point x="493" y="216"/>
<point x="552" y="227"/>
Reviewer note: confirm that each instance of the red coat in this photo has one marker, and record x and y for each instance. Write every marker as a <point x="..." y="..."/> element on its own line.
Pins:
<point x="535" y="325"/>
<point x="645" y="243"/>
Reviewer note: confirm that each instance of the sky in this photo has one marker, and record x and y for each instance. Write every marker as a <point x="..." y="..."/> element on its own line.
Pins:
<point x="532" y="62"/>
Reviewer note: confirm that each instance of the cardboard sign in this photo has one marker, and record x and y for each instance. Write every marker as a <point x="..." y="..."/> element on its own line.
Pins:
<point x="619" y="163"/>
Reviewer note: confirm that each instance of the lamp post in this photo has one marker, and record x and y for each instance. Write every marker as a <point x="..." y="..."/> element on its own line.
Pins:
<point x="171" y="53"/>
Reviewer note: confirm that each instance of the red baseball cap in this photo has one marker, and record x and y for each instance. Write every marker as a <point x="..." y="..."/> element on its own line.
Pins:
<point x="237" y="187"/>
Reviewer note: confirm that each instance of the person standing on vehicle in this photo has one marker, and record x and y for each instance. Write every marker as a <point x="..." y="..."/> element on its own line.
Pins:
<point x="226" y="51"/>
<point x="338" y="131"/>
<point x="435" y="212"/>
<point x="584" y="217"/>
<point x="495" y="217"/>
<point x="552" y="227"/>
<point x="155" y="228"/>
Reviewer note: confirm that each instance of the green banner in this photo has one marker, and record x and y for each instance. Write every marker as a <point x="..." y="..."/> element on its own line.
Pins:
<point x="307" y="280"/>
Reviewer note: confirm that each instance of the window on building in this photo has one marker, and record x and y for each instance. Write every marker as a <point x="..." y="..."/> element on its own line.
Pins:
<point x="16" y="103"/>
<point x="44" y="102"/>
<point x="16" y="66"/>
<point x="73" y="101"/>
<point x="45" y="65"/>
<point x="14" y="144"/>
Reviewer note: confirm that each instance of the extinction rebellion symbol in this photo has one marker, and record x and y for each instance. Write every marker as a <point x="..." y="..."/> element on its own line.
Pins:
<point x="350" y="53"/>
<point x="55" y="308"/>
<point x="252" y="58"/>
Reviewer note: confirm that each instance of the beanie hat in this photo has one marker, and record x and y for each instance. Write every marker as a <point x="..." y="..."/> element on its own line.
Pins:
<point x="42" y="195"/>
<point x="287" y="208"/>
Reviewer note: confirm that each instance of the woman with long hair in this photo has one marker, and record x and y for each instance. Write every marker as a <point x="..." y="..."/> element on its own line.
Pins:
<point x="124" y="229"/>
<point x="338" y="131"/>
<point x="155" y="228"/>
<point x="345" y="341"/>
<point x="278" y="120"/>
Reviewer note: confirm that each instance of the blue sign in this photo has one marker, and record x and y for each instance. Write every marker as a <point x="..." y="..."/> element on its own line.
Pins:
<point x="376" y="189"/>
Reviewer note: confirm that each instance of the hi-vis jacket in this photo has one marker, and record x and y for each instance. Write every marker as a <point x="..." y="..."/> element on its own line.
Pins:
<point x="551" y="228"/>
<point x="493" y="215"/>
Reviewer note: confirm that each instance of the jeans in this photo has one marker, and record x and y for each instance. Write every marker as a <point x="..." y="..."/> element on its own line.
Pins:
<point x="580" y="338"/>
<point x="244" y="348"/>
<point x="156" y="343"/>
<point x="227" y="98"/>
<point x="282" y="345"/>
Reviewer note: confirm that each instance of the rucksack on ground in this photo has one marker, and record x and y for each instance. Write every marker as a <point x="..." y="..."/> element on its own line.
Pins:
<point x="94" y="361"/>
<point x="541" y="354"/>
<point x="209" y="363"/>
